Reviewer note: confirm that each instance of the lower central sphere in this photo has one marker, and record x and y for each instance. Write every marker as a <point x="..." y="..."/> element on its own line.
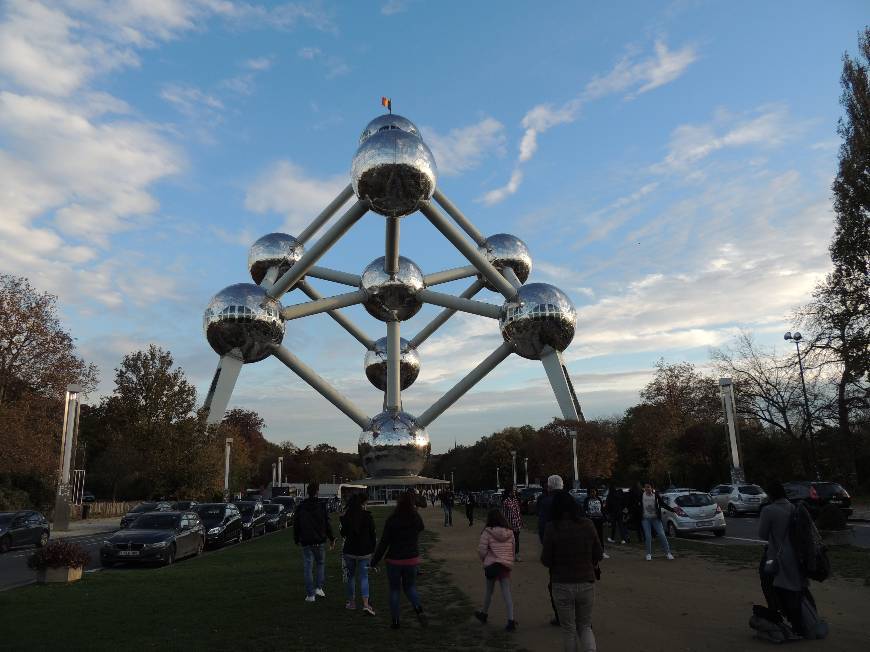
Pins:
<point x="393" y="446"/>
<point x="392" y="298"/>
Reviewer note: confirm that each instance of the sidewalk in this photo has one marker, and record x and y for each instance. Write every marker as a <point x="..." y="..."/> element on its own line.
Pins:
<point x="88" y="527"/>
<point x="861" y="512"/>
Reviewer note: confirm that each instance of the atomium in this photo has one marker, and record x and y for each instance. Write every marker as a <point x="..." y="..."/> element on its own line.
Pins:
<point x="376" y="364"/>
<point x="392" y="298"/>
<point x="239" y="318"/>
<point x="393" y="445"/>
<point x="393" y="173"/>
<point x="506" y="251"/>
<point x="274" y="250"/>
<point x="540" y="316"/>
<point x="393" y="169"/>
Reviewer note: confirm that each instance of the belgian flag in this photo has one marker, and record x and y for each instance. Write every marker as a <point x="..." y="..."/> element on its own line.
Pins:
<point x="388" y="103"/>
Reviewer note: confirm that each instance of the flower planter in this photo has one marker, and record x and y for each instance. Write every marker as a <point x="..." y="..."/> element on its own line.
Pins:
<point x="63" y="574"/>
<point x="837" y="537"/>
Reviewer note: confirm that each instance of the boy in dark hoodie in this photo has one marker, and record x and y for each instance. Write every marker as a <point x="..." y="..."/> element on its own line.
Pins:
<point x="311" y="529"/>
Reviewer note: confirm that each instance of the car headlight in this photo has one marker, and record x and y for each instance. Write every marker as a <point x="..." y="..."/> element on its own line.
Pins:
<point x="159" y="544"/>
<point x="108" y="544"/>
<point x="216" y="530"/>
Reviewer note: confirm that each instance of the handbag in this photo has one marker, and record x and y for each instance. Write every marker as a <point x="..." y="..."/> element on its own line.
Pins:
<point x="771" y="566"/>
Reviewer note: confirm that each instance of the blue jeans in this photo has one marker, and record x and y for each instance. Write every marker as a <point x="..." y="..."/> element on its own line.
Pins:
<point x="448" y="515"/>
<point x="350" y="567"/>
<point x="655" y="524"/>
<point x="310" y="556"/>
<point x="402" y="577"/>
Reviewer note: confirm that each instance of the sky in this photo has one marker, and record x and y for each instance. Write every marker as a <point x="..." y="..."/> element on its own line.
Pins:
<point x="668" y="164"/>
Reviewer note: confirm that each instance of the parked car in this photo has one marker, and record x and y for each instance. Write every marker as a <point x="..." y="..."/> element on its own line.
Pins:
<point x="694" y="511"/>
<point x="88" y="497"/>
<point x="289" y="503"/>
<point x="184" y="506"/>
<point x="579" y="495"/>
<point x="253" y="518"/>
<point x="276" y="517"/>
<point x="143" y="508"/>
<point x="529" y="498"/>
<point x="815" y="495"/>
<point x="22" y="528"/>
<point x="222" y="523"/>
<point x="739" y="498"/>
<point x="159" y="537"/>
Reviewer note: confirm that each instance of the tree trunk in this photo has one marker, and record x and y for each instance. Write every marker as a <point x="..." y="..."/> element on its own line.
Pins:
<point x="844" y="431"/>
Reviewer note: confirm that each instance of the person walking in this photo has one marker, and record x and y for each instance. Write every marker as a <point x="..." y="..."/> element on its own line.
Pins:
<point x="614" y="507"/>
<point x="593" y="509"/>
<point x="496" y="551"/>
<point x="446" y="498"/>
<point x="510" y="505"/>
<point x="635" y="509"/>
<point x="357" y="527"/>
<point x="544" y="508"/>
<point x="470" y="504"/>
<point x="311" y="529"/>
<point x="399" y="545"/>
<point x="572" y="551"/>
<point x="652" y="506"/>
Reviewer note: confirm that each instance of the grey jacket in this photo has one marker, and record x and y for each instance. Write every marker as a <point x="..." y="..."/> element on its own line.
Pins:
<point x="773" y="527"/>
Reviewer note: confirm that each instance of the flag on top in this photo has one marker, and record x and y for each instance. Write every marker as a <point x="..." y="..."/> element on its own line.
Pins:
<point x="387" y="102"/>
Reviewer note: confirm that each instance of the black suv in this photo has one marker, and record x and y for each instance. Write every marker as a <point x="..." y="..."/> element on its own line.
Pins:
<point x="815" y="495"/>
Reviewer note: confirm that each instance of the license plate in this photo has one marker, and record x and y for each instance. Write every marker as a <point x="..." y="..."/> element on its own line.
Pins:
<point x="128" y="553"/>
<point x="705" y="524"/>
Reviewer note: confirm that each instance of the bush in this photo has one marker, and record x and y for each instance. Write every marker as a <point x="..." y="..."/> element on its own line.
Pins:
<point x="831" y="517"/>
<point x="11" y="499"/>
<point x="58" y="554"/>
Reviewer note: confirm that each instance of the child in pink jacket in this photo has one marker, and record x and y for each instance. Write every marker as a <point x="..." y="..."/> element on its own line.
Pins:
<point x="496" y="551"/>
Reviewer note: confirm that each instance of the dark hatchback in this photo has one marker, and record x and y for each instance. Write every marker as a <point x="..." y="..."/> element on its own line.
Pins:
<point x="222" y="523"/>
<point x="144" y="508"/>
<point x="24" y="528"/>
<point x="184" y="506"/>
<point x="276" y="517"/>
<point x="815" y="495"/>
<point x="253" y="518"/>
<point x="289" y="503"/>
<point x="160" y="537"/>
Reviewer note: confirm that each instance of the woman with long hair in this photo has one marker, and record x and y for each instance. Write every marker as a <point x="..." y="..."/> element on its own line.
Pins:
<point x="511" y="507"/>
<point x="358" y="530"/>
<point x="400" y="546"/>
<point x="496" y="552"/>
<point x="572" y="551"/>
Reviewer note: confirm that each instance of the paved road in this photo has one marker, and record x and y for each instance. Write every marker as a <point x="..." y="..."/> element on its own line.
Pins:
<point x="14" y="571"/>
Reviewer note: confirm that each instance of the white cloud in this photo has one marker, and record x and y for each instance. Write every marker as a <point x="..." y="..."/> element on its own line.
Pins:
<point x="500" y="194"/>
<point x="260" y="63"/>
<point x="464" y="148"/>
<point x="192" y="102"/>
<point x="309" y="53"/>
<point x="394" y="7"/>
<point x="335" y="66"/>
<point x="285" y="188"/>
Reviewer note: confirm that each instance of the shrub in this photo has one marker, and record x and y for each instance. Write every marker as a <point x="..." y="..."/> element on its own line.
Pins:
<point x="831" y="517"/>
<point x="57" y="554"/>
<point x="11" y="499"/>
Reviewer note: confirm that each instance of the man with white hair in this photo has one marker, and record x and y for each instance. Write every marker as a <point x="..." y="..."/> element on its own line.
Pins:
<point x="545" y="502"/>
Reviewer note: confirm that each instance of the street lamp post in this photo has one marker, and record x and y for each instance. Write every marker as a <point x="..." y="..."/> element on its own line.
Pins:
<point x="274" y="474"/>
<point x="497" y="479"/>
<point x="514" y="466"/>
<point x="527" y="471"/>
<point x="796" y="338"/>
<point x="228" y="443"/>
<point x="280" y="471"/>
<point x="452" y="484"/>
<point x="69" y="434"/>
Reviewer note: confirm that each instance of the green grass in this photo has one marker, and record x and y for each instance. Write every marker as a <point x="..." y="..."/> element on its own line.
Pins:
<point x="243" y="597"/>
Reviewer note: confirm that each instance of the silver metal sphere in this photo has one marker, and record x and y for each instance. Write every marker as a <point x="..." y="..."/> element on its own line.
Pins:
<point x="505" y="250"/>
<point x="235" y="319"/>
<point x="388" y="122"/>
<point x="273" y="249"/>
<point x="376" y="365"/>
<point x="393" y="446"/>
<point x="541" y="315"/>
<point x="394" y="170"/>
<point x="392" y="298"/>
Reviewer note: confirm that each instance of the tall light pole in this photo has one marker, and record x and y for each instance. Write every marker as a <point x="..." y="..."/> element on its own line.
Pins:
<point x="280" y="471"/>
<point x="497" y="479"/>
<point x="452" y="484"/>
<point x="527" y="471"/>
<point x="228" y="443"/>
<point x="514" y="466"/>
<point x="726" y="392"/>
<point x="274" y="474"/>
<point x="69" y="434"/>
<point x="796" y="338"/>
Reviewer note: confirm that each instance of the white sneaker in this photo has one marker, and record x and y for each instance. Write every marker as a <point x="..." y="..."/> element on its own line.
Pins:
<point x="670" y="556"/>
<point x="609" y="540"/>
<point x="309" y="598"/>
<point x="649" y="557"/>
<point x="606" y="556"/>
<point x="319" y="593"/>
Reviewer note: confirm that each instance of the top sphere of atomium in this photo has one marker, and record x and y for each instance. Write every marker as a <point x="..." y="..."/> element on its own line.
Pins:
<point x="392" y="298"/>
<point x="393" y="445"/>
<point x="376" y="364"/>
<point x="273" y="250"/>
<point x="504" y="250"/>
<point x="541" y="315"/>
<point x="235" y="319"/>
<point x="393" y="169"/>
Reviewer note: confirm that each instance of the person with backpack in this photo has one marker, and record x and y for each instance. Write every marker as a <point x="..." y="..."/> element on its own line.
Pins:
<point x="357" y="527"/>
<point x="496" y="551"/>
<point x="399" y="544"/>
<point x="311" y="529"/>
<point x="511" y="507"/>
<point x="793" y="546"/>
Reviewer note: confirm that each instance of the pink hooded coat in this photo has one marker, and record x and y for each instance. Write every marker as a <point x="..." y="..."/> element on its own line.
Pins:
<point x="496" y="546"/>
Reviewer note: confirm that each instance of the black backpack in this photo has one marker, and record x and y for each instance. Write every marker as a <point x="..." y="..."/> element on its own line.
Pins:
<point x="811" y="553"/>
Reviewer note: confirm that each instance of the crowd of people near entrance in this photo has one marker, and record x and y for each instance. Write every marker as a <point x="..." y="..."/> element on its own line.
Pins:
<point x="572" y="538"/>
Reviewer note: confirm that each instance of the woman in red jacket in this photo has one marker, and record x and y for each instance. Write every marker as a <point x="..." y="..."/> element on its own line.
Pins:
<point x="496" y="551"/>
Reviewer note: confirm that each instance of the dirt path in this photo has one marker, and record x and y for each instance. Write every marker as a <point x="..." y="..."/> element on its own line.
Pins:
<point x="686" y="604"/>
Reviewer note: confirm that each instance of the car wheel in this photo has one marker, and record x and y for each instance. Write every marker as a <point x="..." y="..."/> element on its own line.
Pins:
<point x="200" y="547"/>
<point x="241" y="537"/>
<point x="43" y="539"/>
<point x="731" y="512"/>
<point x="5" y="544"/>
<point x="170" y="556"/>
<point x="672" y="530"/>
<point x="719" y="533"/>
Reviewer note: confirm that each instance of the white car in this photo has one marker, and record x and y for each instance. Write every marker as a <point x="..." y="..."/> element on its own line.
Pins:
<point x="739" y="498"/>
<point x="693" y="511"/>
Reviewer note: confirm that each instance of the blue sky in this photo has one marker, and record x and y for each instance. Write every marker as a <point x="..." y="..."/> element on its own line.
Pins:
<point x="669" y="166"/>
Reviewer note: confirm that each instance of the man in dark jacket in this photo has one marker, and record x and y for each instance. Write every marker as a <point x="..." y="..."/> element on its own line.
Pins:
<point x="311" y="529"/>
<point x="545" y="506"/>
